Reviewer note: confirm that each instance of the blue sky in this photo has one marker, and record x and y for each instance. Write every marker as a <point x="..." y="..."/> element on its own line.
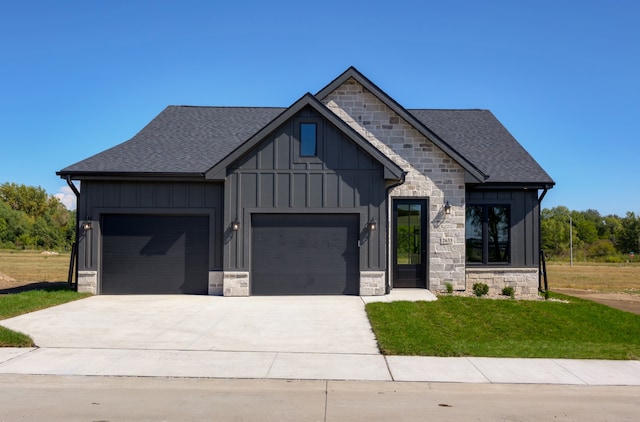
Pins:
<point x="78" y="77"/>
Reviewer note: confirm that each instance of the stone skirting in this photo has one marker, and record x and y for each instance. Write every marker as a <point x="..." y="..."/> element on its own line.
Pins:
<point x="216" y="283"/>
<point x="235" y="283"/>
<point x="372" y="283"/>
<point x="88" y="282"/>
<point x="523" y="280"/>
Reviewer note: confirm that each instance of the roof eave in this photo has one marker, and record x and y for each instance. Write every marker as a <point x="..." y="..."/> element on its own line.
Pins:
<point x="120" y="175"/>
<point x="514" y="185"/>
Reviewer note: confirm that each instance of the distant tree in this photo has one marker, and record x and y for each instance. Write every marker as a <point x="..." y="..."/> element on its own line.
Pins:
<point x="601" y="249"/>
<point x="586" y="229"/>
<point x="33" y="201"/>
<point x="555" y="230"/>
<point x="608" y="238"/>
<point x="31" y="218"/>
<point x="629" y="240"/>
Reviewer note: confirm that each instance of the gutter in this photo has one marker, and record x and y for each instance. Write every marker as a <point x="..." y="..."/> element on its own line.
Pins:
<point x="387" y="191"/>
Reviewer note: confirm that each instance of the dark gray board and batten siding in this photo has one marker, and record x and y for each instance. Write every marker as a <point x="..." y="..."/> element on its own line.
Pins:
<point x="273" y="178"/>
<point x="524" y="206"/>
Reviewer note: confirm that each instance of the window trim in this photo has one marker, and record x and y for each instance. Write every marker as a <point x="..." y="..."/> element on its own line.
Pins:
<point x="485" y="236"/>
<point x="297" y="134"/>
<point x="302" y="126"/>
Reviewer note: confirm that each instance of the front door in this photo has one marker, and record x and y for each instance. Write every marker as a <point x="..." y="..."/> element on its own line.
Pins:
<point x="410" y="243"/>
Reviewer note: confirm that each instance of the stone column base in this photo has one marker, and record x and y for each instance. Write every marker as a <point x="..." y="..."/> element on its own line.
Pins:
<point x="216" y="282"/>
<point x="88" y="282"/>
<point x="372" y="283"/>
<point x="235" y="283"/>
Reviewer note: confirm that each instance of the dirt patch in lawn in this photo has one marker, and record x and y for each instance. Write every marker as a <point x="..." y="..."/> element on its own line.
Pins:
<point x="623" y="301"/>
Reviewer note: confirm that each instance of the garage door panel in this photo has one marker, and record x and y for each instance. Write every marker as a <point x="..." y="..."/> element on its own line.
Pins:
<point x="155" y="254"/>
<point x="305" y="254"/>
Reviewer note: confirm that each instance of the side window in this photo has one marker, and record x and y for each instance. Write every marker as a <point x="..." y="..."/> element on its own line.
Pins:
<point x="308" y="139"/>
<point x="487" y="234"/>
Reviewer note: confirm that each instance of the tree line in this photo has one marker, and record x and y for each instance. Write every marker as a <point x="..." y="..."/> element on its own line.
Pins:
<point x="592" y="237"/>
<point x="30" y="218"/>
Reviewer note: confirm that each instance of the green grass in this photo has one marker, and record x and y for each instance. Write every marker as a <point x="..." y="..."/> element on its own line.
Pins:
<point x="21" y="303"/>
<point x="466" y="326"/>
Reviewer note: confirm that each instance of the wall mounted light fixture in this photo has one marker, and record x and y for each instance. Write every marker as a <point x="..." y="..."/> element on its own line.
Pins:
<point x="447" y="208"/>
<point x="86" y="225"/>
<point x="235" y="225"/>
<point x="372" y="225"/>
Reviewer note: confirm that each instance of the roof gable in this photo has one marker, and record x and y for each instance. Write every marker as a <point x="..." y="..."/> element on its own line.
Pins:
<point x="353" y="73"/>
<point x="219" y="170"/>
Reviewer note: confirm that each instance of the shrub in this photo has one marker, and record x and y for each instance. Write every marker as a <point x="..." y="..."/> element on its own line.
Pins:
<point x="508" y="291"/>
<point x="480" y="289"/>
<point x="449" y="287"/>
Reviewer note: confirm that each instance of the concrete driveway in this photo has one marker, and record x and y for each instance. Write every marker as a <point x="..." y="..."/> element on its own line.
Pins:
<point x="298" y="324"/>
<point x="294" y="337"/>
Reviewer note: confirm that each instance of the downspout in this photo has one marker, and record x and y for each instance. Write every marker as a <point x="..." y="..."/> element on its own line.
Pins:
<point x="73" y="188"/>
<point x="541" y="268"/>
<point x="74" y="248"/>
<point x="387" y="287"/>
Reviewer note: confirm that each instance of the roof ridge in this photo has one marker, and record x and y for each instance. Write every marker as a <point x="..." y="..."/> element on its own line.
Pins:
<point x="225" y="106"/>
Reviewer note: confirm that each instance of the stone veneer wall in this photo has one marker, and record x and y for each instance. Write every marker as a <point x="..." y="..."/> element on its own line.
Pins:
<point x="431" y="174"/>
<point x="372" y="283"/>
<point x="235" y="283"/>
<point x="523" y="280"/>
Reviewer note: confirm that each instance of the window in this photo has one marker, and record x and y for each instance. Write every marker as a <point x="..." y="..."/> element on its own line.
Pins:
<point x="487" y="234"/>
<point x="409" y="234"/>
<point x="308" y="140"/>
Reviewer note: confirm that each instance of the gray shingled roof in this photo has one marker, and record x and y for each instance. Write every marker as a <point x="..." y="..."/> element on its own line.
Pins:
<point x="479" y="137"/>
<point x="181" y="139"/>
<point x="190" y="140"/>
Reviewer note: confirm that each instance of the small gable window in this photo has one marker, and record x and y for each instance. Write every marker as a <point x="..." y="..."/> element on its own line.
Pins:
<point x="308" y="139"/>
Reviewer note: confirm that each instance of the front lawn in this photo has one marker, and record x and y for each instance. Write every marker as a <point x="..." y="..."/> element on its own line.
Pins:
<point x="21" y="303"/>
<point x="468" y="326"/>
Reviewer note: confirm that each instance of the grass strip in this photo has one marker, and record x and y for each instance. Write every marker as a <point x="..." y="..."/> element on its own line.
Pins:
<point x="21" y="303"/>
<point x="466" y="326"/>
<point x="10" y="338"/>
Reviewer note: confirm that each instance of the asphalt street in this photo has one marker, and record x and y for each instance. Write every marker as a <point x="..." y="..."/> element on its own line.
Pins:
<point x="79" y="398"/>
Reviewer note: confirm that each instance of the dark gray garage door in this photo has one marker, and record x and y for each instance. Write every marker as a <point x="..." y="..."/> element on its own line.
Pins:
<point x="152" y="254"/>
<point x="305" y="254"/>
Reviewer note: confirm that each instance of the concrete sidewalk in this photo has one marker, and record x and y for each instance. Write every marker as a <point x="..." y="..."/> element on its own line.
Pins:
<point x="314" y="366"/>
<point x="306" y="338"/>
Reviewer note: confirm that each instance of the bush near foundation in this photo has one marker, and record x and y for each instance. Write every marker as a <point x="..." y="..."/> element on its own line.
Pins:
<point x="480" y="289"/>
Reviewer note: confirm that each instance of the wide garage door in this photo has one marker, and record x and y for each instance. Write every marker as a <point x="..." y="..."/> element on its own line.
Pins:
<point x="155" y="254"/>
<point x="305" y="254"/>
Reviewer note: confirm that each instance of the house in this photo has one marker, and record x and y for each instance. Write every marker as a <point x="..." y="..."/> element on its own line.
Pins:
<point x="343" y="192"/>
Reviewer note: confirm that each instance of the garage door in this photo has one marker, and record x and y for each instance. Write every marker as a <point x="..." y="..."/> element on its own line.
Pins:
<point x="152" y="254"/>
<point x="305" y="254"/>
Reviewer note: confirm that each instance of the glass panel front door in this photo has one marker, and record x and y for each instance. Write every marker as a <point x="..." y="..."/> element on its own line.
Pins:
<point x="410" y="246"/>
